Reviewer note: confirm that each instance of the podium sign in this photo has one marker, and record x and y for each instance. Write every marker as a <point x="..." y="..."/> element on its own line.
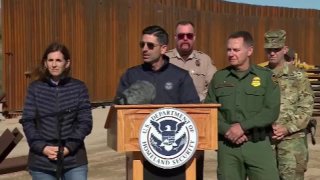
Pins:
<point x="168" y="138"/>
<point x="124" y="123"/>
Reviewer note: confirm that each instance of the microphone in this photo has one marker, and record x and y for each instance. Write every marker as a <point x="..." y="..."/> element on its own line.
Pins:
<point x="140" y="92"/>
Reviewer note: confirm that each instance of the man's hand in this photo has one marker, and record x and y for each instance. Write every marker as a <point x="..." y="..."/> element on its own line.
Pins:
<point x="234" y="133"/>
<point x="279" y="131"/>
<point x="242" y="139"/>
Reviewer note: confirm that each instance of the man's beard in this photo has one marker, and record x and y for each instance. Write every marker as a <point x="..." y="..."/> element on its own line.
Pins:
<point x="185" y="51"/>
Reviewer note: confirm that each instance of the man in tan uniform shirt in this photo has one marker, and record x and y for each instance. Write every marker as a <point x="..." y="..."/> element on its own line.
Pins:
<point x="198" y="64"/>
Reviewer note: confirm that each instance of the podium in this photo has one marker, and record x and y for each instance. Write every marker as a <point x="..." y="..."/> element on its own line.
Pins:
<point x="124" y="122"/>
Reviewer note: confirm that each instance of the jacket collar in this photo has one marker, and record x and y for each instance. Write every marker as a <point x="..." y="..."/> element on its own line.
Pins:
<point x="62" y="81"/>
<point x="148" y="67"/>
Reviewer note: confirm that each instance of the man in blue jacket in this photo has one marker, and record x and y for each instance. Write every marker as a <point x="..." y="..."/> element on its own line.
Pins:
<point x="173" y="85"/>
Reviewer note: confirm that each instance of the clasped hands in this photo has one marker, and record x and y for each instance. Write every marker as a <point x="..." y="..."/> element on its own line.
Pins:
<point x="279" y="131"/>
<point x="235" y="134"/>
<point x="52" y="152"/>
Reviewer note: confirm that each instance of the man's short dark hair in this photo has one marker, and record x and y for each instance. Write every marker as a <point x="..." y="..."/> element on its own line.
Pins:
<point x="159" y="32"/>
<point x="184" y="22"/>
<point x="247" y="38"/>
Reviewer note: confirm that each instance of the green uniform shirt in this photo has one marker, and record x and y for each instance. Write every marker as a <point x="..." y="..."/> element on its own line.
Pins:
<point x="296" y="99"/>
<point x="252" y="100"/>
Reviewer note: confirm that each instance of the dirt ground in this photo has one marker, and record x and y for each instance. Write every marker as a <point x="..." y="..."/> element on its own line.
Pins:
<point x="106" y="164"/>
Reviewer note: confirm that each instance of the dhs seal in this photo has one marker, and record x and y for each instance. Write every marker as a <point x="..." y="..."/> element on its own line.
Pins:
<point x="168" y="138"/>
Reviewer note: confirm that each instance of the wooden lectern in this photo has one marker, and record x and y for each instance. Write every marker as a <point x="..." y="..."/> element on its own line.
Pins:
<point x="124" y="121"/>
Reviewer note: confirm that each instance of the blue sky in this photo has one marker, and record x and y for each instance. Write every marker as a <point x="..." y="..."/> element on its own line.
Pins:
<point x="304" y="4"/>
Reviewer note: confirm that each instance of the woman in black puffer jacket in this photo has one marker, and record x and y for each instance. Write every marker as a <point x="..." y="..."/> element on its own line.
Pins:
<point x="57" y="113"/>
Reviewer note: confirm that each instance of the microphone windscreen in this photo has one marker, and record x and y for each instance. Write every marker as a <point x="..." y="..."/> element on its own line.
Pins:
<point x="140" y="92"/>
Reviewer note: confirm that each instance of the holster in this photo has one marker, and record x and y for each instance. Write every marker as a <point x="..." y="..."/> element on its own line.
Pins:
<point x="311" y="129"/>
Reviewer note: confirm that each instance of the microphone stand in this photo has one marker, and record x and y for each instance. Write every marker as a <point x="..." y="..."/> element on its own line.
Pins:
<point x="60" y="155"/>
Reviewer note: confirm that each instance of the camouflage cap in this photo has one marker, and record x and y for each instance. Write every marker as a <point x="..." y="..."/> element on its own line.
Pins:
<point x="275" y="39"/>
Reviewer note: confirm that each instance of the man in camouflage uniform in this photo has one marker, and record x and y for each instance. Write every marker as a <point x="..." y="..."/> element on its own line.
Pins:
<point x="199" y="64"/>
<point x="295" y="110"/>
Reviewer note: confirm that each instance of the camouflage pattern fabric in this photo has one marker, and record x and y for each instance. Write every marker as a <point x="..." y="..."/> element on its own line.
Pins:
<point x="296" y="100"/>
<point x="292" y="158"/>
<point x="295" y="112"/>
<point x="275" y="39"/>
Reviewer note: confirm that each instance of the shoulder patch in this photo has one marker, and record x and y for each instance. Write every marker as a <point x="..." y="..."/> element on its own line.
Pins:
<point x="298" y="74"/>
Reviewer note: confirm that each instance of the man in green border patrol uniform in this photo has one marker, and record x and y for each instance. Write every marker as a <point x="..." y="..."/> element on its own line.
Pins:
<point x="295" y="110"/>
<point x="250" y="102"/>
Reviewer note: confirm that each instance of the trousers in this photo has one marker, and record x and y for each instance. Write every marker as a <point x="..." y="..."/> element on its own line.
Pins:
<point x="252" y="160"/>
<point x="292" y="158"/>
<point x="78" y="173"/>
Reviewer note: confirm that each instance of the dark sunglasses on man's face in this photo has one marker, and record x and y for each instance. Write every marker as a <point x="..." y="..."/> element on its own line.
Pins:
<point x="275" y="50"/>
<point x="150" y="45"/>
<point x="182" y="35"/>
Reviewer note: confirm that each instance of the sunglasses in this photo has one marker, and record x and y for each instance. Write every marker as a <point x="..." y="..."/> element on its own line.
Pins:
<point x="182" y="35"/>
<point x="275" y="50"/>
<point x="150" y="45"/>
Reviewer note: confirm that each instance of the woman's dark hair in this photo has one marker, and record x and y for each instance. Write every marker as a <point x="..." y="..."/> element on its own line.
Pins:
<point x="42" y="71"/>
